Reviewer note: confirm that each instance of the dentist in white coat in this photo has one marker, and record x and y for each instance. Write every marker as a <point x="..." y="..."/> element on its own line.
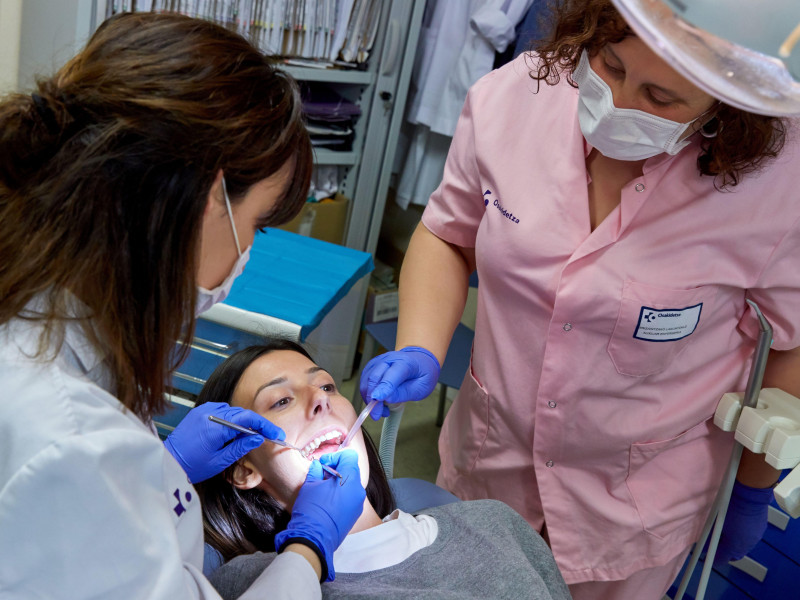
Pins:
<point x="131" y="186"/>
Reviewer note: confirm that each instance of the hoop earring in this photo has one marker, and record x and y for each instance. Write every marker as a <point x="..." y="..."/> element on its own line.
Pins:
<point x="711" y="134"/>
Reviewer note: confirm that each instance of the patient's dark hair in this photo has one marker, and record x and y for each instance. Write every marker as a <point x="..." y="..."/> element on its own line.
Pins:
<point x="239" y="521"/>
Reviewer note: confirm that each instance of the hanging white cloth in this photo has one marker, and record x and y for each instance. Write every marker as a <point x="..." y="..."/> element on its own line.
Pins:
<point x="459" y="41"/>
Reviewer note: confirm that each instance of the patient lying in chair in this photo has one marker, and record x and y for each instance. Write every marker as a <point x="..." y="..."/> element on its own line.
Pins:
<point x="479" y="549"/>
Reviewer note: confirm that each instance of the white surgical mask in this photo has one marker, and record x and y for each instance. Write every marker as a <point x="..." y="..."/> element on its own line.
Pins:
<point x="208" y="298"/>
<point x="621" y="133"/>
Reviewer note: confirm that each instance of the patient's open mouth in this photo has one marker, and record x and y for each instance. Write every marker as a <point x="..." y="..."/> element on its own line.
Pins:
<point x="322" y="444"/>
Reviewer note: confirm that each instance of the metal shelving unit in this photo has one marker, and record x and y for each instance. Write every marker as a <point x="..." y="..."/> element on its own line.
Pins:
<point x="381" y="92"/>
<point x="49" y="37"/>
<point x="330" y="75"/>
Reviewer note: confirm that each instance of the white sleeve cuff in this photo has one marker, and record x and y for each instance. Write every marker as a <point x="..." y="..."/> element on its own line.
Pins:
<point x="289" y="577"/>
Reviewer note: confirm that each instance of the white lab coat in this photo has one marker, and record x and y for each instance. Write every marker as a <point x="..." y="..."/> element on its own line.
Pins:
<point x="457" y="48"/>
<point x="91" y="503"/>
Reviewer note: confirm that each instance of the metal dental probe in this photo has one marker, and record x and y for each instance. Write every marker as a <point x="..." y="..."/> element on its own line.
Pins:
<point x="248" y="431"/>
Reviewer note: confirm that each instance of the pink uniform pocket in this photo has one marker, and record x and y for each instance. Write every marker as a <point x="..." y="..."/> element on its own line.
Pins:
<point x="674" y="481"/>
<point x="466" y="427"/>
<point x="654" y="325"/>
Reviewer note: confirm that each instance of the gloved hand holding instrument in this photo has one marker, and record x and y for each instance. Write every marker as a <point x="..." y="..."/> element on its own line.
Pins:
<point x="407" y="374"/>
<point x="326" y="508"/>
<point x="329" y="502"/>
<point x="204" y="448"/>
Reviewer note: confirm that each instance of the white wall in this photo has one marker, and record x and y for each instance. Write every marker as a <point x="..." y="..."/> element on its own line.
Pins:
<point x="53" y="31"/>
<point x="10" y="20"/>
<point x="38" y="36"/>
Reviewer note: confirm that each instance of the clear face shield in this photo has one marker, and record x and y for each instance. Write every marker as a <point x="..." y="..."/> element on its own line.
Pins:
<point x="743" y="52"/>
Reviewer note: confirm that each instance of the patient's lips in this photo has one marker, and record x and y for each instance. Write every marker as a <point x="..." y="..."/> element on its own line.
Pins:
<point x="326" y="440"/>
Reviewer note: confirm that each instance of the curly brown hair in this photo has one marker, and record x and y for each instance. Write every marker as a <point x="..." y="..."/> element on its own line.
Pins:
<point x="744" y="141"/>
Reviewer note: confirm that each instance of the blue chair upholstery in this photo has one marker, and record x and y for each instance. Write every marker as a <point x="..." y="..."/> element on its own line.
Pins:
<point x="412" y="495"/>
<point x="212" y="560"/>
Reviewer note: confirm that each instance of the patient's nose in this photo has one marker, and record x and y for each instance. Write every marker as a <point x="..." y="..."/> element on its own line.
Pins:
<point x="320" y="401"/>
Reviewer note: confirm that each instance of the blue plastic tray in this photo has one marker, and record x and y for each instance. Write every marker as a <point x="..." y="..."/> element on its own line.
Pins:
<point x="297" y="278"/>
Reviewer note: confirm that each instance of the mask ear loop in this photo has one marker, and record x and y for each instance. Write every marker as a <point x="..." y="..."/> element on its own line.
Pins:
<point x="230" y="216"/>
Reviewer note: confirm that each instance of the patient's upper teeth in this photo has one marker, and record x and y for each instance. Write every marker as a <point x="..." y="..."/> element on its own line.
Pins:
<point x="317" y="441"/>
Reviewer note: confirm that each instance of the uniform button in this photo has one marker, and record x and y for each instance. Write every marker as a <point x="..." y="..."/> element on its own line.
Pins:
<point x="549" y="463"/>
<point x="552" y="404"/>
<point x="567" y="327"/>
<point x="639" y="187"/>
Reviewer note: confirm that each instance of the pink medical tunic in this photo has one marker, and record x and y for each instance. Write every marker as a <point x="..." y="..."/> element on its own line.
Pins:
<point x="600" y="356"/>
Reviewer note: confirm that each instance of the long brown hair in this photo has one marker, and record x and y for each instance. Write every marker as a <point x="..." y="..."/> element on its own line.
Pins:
<point x="245" y="521"/>
<point x="105" y="174"/>
<point x="743" y="141"/>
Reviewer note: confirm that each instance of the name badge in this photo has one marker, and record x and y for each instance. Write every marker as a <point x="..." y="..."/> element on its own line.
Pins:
<point x="667" y="325"/>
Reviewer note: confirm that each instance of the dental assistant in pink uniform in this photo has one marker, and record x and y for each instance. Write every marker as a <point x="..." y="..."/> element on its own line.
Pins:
<point x="615" y="249"/>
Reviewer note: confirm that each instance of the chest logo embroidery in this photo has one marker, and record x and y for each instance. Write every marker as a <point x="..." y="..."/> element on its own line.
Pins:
<point x="487" y="197"/>
<point x="667" y="325"/>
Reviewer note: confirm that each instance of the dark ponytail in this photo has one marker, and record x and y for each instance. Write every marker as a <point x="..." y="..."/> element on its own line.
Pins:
<point x="105" y="173"/>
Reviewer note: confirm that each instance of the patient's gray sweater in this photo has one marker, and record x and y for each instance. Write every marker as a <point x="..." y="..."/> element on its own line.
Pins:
<point x="483" y="550"/>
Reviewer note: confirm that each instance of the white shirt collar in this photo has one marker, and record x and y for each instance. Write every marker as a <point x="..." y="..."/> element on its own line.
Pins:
<point x="385" y="545"/>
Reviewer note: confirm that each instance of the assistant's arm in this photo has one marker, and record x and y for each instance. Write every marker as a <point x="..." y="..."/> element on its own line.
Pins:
<point x="433" y="279"/>
<point x="433" y="291"/>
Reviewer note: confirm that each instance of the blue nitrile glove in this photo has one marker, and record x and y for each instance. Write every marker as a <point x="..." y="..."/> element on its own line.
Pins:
<point x="399" y="376"/>
<point x="745" y="522"/>
<point x="202" y="447"/>
<point x="326" y="508"/>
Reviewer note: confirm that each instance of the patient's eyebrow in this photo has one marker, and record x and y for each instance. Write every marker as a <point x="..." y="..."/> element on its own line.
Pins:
<point x="275" y="381"/>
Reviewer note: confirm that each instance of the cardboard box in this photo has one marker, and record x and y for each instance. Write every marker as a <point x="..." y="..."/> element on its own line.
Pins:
<point x="382" y="301"/>
<point x="324" y="220"/>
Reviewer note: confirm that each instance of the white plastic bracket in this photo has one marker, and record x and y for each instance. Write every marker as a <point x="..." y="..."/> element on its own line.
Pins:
<point x="787" y="493"/>
<point x="771" y="428"/>
<point x="753" y="568"/>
